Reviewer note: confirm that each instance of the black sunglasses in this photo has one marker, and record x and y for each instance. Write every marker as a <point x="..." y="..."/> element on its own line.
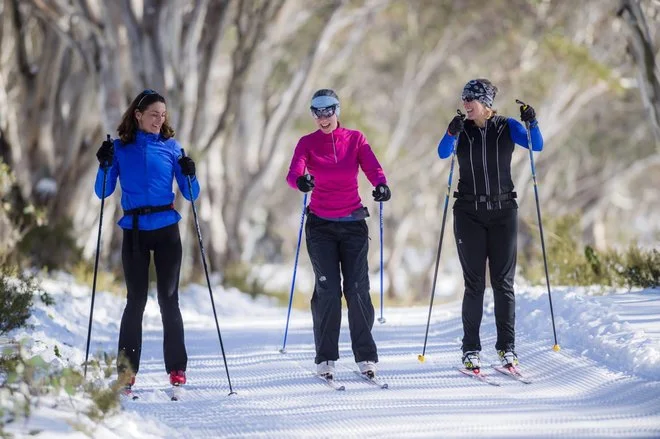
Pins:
<point x="324" y="112"/>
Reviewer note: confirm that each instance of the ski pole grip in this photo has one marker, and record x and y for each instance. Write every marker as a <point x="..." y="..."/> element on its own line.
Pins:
<point x="183" y="152"/>
<point x="524" y="106"/>
<point x="518" y="101"/>
<point x="106" y="164"/>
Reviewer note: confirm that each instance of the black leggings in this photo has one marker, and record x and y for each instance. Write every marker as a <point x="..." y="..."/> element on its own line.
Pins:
<point x="487" y="235"/>
<point x="166" y="246"/>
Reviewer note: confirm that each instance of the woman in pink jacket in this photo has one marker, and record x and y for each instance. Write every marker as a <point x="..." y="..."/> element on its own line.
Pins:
<point x="336" y="231"/>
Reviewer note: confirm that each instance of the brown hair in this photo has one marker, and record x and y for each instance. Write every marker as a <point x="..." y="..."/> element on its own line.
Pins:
<point x="128" y="125"/>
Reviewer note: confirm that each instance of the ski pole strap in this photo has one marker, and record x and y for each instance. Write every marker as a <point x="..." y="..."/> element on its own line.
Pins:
<point x="485" y="198"/>
<point x="146" y="210"/>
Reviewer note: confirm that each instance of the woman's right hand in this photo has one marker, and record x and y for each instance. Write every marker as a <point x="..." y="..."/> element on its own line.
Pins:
<point x="456" y="125"/>
<point x="105" y="153"/>
<point x="305" y="183"/>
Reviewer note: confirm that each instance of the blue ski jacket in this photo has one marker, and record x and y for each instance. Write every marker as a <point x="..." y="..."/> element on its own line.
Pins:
<point x="146" y="169"/>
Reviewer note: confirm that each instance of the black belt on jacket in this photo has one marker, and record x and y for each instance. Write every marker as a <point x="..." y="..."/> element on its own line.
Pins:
<point x="485" y="198"/>
<point x="358" y="214"/>
<point x="146" y="210"/>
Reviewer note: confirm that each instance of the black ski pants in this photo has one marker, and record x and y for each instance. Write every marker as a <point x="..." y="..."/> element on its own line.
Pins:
<point x="339" y="249"/>
<point x="487" y="235"/>
<point x="166" y="246"/>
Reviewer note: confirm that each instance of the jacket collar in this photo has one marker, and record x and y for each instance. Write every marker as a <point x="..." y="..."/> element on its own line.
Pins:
<point x="340" y="130"/>
<point x="144" y="137"/>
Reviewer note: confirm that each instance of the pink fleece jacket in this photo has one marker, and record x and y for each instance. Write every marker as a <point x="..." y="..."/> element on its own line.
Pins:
<point x="333" y="160"/>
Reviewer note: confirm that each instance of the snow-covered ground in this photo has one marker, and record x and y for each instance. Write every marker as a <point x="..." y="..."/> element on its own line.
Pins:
<point x="605" y="381"/>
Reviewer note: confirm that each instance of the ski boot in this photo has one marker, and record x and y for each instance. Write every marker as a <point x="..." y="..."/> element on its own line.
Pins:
<point x="471" y="360"/>
<point x="367" y="368"/>
<point x="326" y="369"/>
<point x="509" y="358"/>
<point x="177" y="378"/>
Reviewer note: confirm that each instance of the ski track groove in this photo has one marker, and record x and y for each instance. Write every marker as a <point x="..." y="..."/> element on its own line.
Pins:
<point x="278" y="396"/>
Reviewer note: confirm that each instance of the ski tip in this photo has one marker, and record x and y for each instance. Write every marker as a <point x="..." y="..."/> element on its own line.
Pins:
<point x="421" y="358"/>
<point x="330" y="381"/>
<point x="469" y="371"/>
<point x="128" y="394"/>
<point x="373" y="379"/>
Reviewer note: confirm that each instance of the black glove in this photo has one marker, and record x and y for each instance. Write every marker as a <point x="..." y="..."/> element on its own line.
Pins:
<point x="305" y="183"/>
<point x="527" y="113"/>
<point x="105" y="153"/>
<point x="187" y="166"/>
<point x="382" y="193"/>
<point x="455" y="126"/>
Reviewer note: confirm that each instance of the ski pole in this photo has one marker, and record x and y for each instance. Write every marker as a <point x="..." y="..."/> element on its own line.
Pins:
<point x="295" y="269"/>
<point x="96" y="263"/>
<point x="420" y="357"/>
<point x="538" y="213"/>
<point x="206" y="273"/>
<point x="381" y="319"/>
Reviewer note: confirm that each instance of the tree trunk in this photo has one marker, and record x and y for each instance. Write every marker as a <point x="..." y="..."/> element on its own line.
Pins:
<point x="643" y="52"/>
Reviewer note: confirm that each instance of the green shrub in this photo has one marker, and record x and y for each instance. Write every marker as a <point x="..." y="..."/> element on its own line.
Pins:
<point x="109" y="281"/>
<point x="572" y="263"/>
<point x="641" y="268"/>
<point x="51" y="245"/>
<point x="237" y="275"/>
<point x="25" y="378"/>
<point x="17" y="291"/>
<point x="17" y="215"/>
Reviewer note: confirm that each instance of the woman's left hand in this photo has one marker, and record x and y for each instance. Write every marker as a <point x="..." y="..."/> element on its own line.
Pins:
<point x="187" y="166"/>
<point x="527" y="113"/>
<point x="382" y="193"/>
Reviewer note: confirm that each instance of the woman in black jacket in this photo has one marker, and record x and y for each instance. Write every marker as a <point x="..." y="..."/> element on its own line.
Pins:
<point x="486" y="212"/>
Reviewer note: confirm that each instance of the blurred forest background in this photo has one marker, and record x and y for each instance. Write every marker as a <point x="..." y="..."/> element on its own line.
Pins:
<point x="238" y="76"/>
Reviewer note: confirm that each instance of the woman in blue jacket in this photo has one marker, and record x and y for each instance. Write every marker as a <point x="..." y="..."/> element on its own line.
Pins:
<point x="146" y="158"/>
